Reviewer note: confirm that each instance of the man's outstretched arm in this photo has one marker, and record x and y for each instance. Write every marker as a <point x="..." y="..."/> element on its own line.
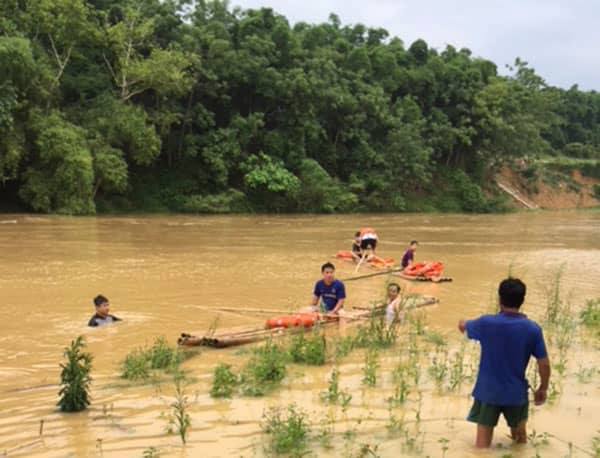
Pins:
<point x="544" y="370"/>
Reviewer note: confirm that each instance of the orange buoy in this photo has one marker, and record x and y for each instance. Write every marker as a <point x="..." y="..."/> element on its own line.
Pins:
<point x="306" y="320"/>
<point x="424" y="269"/>
<point x="345" y="255"/>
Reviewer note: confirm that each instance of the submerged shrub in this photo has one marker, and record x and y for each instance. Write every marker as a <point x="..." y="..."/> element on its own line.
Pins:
<point x="288" y="431"/>
<point x="310" y="350"/>
<point x="224" y="382"/>
<point x="135" y="366"/>
<point x="377" y="333"/>
<point x="179" y="419"/>
<point x="75" y="378"/>
<point x="139" y="364"/>
<point x="266" y="369"/>
<point x="590" y="315"/>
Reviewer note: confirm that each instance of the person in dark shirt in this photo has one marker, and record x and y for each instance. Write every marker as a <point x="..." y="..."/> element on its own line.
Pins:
<point x="409" y="255"/>
<point x="331" y="293"/>
<point x="102" y="315"/>
<point x="508" y="340"/>
<point x="357" y="251"/>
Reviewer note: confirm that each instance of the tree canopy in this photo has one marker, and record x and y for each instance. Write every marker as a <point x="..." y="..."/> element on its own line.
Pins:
<point x="157" y="105"/>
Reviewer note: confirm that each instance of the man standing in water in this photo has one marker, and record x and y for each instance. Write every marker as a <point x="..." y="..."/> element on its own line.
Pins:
<point x="508" y="340"/>
<point x="409" y="255"/>
<point x="329" y="291"/>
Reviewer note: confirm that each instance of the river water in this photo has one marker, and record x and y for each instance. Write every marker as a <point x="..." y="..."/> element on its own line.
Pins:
<point x="168" y="274"/>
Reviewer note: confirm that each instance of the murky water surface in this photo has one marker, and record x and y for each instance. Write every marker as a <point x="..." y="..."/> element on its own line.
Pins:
<point x="165" y="275"/>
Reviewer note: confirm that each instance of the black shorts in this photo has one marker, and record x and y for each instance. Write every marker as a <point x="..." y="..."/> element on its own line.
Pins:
<point x="368" y="243"/>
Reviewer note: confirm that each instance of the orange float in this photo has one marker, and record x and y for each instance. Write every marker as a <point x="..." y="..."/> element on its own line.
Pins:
<point x="305" y="320"/>
<point x="424" y="269"/>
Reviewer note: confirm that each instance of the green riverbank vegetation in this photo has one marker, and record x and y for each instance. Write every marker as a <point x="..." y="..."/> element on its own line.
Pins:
<point x="158" y="106"/>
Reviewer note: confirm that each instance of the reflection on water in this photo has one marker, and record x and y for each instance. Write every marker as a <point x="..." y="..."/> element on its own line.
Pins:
<point x="165" y="275"/>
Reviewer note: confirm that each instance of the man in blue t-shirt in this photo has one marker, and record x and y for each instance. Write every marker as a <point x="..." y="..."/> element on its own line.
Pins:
<point x="329" y="291"/>
<point x="508" y="340"/>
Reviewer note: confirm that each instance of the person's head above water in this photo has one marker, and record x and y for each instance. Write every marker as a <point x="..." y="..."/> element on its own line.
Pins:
<point x="328" y="271"/>
<point x="413" y="245"/>
<point x="102" y="305"/>
<point x="393" y="290"/>
<point x="511" y="293"/>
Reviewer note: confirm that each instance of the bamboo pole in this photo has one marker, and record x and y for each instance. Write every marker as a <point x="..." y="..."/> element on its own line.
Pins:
<point x="384" y="272"/>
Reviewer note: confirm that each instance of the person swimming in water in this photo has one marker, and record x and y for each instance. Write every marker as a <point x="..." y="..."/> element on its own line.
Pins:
<point x="102" y="315"/>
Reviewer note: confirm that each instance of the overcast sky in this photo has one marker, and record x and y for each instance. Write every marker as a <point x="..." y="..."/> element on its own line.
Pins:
<point x="559" y="38"/>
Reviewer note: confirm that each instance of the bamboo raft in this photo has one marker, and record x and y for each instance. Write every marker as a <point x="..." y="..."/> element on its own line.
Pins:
<point x="246" y="335"/>
<point x="431" y="279"/>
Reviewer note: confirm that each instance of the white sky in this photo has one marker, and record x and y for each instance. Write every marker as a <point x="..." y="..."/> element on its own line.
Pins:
<point x="559" y="38"/>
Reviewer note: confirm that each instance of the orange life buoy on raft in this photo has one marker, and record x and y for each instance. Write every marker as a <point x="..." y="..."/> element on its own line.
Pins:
<point x="345" y="255"/>
<point x="424" y="269"/>
<point x="306" y="320"/>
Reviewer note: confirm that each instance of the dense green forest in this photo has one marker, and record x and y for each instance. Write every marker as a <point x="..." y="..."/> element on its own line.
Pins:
<point x="165" y="105"/>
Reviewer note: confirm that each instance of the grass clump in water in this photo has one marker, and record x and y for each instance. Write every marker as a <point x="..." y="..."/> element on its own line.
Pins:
<point x="179" y="419"/>
<point x="370" y="367"/>
<point x="141" y="362"/>
<point x="377" y="333"/>
<point x="590" y="315"/>
<point x="265" y="370"/>
<point x="310" y="350"/>
<point x="288" y="430"/>
<point x="334" y="395"/>
<point x="75" y="378"/>
<point x="224" y="382"/>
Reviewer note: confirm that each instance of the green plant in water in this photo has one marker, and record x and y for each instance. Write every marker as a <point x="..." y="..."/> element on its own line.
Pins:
<point x="151" y="452"/>
<point x="334" y="395"/>
<point x="370" y="367"/>
<point x="596" y="444"/>
<point x="310" y="350"/>
<point x="343" y="347"/>
<point x="444" y="445"/>
<point x="438" y="370"/>
<point x="457" y="372"/>
<point x="436" y="339"/>
<point x="367" y="450"/>
<point x="224" y="382"/>
<point x="265" y="370"/>
<point x="401" y="385"/>
<point x="135" y="366"/>
<point x="325" y="435"/>
<point x="418" y="322"/>
<point x="164" y="356"/>
<point x="179" y="420"/>
<point x="590" y="315"/>
<point x="288" y="430"/>
<point x="585" y="375"/>
<point x="75" y="378"/>
<point x="537" y="441"/>
<point x="377" y="333"/>
<point x="553" y="297"/>
<point x="394" y="425"/>
<point x="139" y="364"/>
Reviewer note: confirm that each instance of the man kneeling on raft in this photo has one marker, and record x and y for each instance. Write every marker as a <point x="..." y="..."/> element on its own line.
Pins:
<point x="329" y="292"/>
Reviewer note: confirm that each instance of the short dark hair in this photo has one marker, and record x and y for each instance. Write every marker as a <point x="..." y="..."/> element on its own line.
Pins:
<point x="414" y="242"/>
<point x="99" y="300"/>
<point x="357" y="234"/>
<point x="512" y="292"/>
<point x="396" y="285"/>
<point x="327" y="265"/>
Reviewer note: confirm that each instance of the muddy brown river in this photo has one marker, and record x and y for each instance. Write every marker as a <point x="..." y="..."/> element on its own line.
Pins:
<point x="168" y="274"/>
